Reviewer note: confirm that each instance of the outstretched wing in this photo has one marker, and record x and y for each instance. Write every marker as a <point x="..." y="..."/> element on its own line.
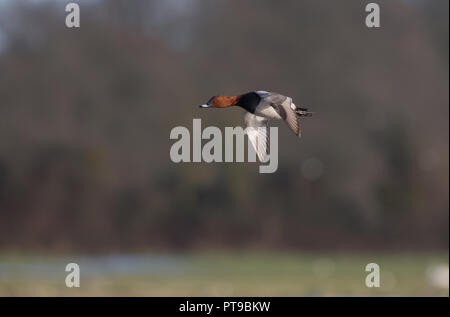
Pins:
<point x="286" y="109"/>
<point x="258" y="134"/>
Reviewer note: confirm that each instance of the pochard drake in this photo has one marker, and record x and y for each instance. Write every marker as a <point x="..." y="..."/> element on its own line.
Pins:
<point x="261" y="106"/>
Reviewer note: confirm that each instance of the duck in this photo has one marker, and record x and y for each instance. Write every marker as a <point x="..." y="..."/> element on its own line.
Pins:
<point x="262" y="106"/>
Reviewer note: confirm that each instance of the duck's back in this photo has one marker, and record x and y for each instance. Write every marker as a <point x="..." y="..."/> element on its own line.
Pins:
<point x="274" y="98"/>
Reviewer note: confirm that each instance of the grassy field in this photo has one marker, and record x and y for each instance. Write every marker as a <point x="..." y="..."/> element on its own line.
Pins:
<point x="228" y="274"/>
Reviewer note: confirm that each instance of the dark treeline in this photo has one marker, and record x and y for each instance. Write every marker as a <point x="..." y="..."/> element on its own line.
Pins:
<point x="85" y="117"/>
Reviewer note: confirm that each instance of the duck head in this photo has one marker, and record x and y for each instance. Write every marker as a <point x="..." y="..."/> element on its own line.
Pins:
<point x="221" y="102"/>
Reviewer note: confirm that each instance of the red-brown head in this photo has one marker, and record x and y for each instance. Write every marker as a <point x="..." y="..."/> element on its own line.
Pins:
<point x="221" y="102"/>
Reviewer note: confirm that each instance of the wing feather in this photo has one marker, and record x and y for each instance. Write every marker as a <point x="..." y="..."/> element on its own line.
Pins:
<point x="284" y="106"/>
<point x="258" y="134"/>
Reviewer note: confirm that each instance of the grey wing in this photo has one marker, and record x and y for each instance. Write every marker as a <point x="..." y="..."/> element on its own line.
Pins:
<point x="275" y="98"/>
<point x="257" y="129"/>
<point x="286" y="109"/>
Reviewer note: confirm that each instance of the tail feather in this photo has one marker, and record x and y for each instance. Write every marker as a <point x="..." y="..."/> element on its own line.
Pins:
<point x="303" y="112"/>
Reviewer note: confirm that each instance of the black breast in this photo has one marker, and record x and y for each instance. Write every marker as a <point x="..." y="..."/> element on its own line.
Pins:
<point x="249" y="101"/>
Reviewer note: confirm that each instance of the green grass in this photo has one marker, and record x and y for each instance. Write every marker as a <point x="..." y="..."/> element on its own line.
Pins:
<point x="237" y="274"/>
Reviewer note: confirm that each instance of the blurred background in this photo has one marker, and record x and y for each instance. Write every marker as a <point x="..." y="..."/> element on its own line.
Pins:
<point x="86" y="176"/>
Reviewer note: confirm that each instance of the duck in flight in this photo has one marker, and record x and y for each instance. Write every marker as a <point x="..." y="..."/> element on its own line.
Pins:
<point x="261" y="106"/>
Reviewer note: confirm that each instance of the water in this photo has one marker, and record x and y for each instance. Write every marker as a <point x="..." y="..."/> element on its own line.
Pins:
<point x="118" y="265"/>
